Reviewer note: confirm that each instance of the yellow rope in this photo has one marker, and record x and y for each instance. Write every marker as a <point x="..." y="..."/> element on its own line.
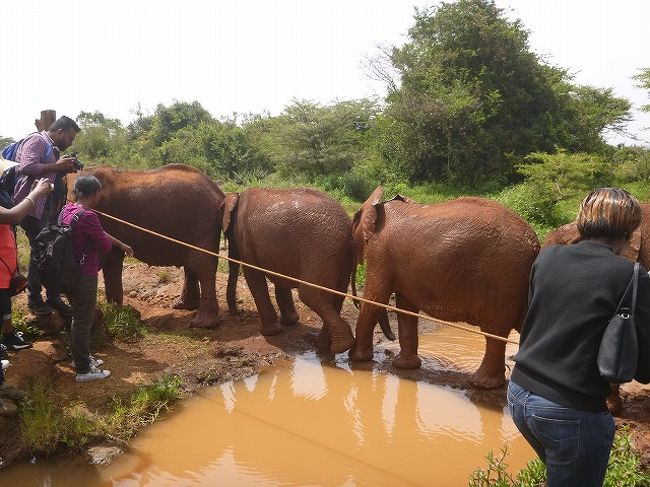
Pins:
<point x="322" y="288"/>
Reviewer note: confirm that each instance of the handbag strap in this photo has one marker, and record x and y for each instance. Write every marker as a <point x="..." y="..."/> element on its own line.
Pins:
<point x="633" y="284"/>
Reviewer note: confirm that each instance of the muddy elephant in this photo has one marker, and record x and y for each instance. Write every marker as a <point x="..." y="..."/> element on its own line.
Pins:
<point x="175" y="200"/>
<point x="638" y="250"/>
<point x="301" y="233"/>
<point x="464" y="260"/>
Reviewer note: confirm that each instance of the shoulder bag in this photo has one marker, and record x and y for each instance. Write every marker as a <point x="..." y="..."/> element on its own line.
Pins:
<point x="618" y="352"/>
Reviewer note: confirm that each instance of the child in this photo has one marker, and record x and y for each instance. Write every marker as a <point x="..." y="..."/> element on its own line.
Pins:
<point x="90" y="242"/>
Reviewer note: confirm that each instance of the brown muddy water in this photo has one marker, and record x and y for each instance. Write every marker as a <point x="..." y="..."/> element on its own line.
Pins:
<point x="307" y="423"/>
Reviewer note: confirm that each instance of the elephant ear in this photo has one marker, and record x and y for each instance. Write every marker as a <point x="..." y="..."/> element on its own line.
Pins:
<point x="229" y="205"/>
<point x="369" y="213"/>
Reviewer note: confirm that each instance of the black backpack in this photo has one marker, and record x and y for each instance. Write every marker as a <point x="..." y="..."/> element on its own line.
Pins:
<point x="53" y="256"/>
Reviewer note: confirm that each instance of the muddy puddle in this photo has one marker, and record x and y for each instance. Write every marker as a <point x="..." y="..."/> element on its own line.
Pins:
<point x="304" y="423"/>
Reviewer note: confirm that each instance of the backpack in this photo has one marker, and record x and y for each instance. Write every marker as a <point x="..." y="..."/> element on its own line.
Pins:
<point x="8" y="177"/>
<point x="53" y="256"/>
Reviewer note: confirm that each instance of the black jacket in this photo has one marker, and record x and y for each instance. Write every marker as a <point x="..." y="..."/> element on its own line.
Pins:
<point x="574" y="291"/>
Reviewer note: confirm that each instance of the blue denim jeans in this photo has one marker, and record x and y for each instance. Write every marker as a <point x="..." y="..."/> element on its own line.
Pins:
<point x="574" y="445"/>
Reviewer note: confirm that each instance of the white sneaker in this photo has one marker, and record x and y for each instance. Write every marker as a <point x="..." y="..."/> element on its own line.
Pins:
<point x="94" y="362"/>
<point x="94" y="374"/>
<point x="5" y="364"/>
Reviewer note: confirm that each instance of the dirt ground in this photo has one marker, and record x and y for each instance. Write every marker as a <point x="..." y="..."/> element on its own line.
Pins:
<point x="233" y="350"/>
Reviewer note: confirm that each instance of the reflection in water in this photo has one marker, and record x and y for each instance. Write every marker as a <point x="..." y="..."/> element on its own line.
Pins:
<point x="308" y="424"/>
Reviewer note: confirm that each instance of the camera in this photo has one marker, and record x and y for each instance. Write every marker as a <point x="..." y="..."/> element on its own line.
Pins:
<point x="77" y="164"/>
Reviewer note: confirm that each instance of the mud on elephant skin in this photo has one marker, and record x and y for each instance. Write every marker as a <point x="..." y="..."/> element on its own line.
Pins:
<point x="463" y="260"/>
<point x="638" y="250"/>
<point x="178" y="201"/>
<point x="300" y="233"/>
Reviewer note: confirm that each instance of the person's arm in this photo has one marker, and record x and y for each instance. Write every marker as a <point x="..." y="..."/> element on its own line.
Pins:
<point x="32" y="163"/>
<point x="120" y="245"/>
<point x="14" y="216"/>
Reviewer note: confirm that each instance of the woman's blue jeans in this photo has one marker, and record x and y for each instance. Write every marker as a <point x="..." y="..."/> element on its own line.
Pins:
<point x="574" y="445"/>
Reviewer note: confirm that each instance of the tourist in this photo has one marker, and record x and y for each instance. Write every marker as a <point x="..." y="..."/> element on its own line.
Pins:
<point x="12" y="340"/>
<point x="556" y="394"/>
<point x="39" y="156"/>
<point x="90" y="242"/>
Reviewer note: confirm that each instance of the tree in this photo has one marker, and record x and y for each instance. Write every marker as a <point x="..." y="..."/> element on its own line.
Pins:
<point x="100" y="137"/>
<point x="474" y="99"/>
<point x="643" y="79"/>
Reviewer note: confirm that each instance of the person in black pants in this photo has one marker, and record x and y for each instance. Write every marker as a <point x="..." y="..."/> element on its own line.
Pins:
<point x="556" y="395"/>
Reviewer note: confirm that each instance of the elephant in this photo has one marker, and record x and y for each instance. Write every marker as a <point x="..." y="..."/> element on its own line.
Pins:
<point x="302" y="233"/>
<point x="638" y="250"/>
<point x="175" y="200"/>
<point x="463" y="260"/>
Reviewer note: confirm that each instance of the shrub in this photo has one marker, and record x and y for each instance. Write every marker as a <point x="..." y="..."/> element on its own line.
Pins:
<point x="122" y="322"/>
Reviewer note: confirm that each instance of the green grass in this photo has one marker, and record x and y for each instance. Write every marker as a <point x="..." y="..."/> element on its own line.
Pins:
<point x="164" y="276"/>
<point x="47" y="424"/>
<point x="122" y="323"/>
<point x="623" y="469"/>
<point x="20" y="322"/>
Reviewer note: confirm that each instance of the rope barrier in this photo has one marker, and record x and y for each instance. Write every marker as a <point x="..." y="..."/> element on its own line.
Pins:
<point x="311" y="284"/>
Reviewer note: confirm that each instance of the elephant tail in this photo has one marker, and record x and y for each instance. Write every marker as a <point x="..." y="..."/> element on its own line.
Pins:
<point x="233" y="276"/>
<point x="384" y="323"/>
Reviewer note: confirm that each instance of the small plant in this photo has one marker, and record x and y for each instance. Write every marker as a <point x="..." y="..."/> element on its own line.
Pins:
<point x="21" y="323"/>
<point x="122" y="322"/>
<point x="496" y="474"/>
<point x="164" y="276"/>
<point x="46" y="424"/>
<point x="624" y="466"/>
<point x="142" y="407"/>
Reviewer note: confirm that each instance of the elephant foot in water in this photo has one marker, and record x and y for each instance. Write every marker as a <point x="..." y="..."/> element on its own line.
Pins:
<point x="359" y="354"/>
<point x="271" y="329"/>
<point x="407" y="361"/>
<point x="487" y="381"/>
<point x="341" y="344"/>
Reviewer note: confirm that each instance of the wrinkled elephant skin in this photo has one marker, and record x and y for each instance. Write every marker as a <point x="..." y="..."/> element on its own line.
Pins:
<point x="301" y="233"/>
<point x="178" y="201"/>
<point x="464" y="260"/>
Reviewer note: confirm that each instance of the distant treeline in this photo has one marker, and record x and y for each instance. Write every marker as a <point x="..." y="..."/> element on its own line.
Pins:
<point x="470" y="109"/>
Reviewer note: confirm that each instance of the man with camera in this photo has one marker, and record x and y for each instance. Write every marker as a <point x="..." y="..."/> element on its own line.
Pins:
<point x="39" y="156"/>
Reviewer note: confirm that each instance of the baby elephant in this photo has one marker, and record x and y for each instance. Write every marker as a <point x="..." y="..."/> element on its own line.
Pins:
<point x="301" y="233"/>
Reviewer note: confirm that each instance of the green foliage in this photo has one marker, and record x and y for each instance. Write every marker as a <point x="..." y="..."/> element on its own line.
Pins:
<point x="47" y="424"/>
<point x="475" y="99"/>
<point x="5" y="141"/>
<point x="122" y="322"/>
<point x="632" y="164"/>
<point x="643" y="79"/>
<point x="20" y="321"/>
<point x="623" y="469"/>
<point x="130" y="414"/>
<point x="101" y="139"/>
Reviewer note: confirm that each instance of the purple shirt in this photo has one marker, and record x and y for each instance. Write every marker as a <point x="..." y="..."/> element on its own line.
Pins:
<point x="32" y="164"/>
<point x="89" y="240"/>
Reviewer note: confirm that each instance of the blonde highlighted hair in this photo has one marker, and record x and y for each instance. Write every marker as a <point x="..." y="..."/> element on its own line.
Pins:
<point x="610" y="213"/>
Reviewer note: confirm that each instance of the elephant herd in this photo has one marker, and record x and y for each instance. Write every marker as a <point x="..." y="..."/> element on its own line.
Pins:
<point x="464" y="260"/>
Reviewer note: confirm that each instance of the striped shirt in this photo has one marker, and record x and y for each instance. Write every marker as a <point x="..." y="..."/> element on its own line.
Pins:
<point x="33" y="164"/>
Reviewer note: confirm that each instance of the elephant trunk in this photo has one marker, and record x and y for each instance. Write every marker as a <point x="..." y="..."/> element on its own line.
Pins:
<point x="384" y="324"/>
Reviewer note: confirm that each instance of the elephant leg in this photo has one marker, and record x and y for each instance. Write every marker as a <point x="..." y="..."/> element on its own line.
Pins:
<point x="112" y="270"/>
<point x="368" y="317"/>
<point x="190" y="296"/>
<point x="323" y="305"/>
<point x="491" y="372"/>
<point x="408" y="335"/>
<point x="204" y="268"/>
<point x="288" y="314"/>
<point x="259" y="289"/>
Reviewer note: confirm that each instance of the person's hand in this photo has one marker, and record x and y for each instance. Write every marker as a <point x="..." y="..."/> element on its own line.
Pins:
<point x="41" y="187"/>
<point x="66" y="164"/>
<point x="127" y="249"/>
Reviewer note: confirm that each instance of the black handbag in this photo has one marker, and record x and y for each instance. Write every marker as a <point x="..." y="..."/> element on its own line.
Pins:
<point x="619" y="349"/>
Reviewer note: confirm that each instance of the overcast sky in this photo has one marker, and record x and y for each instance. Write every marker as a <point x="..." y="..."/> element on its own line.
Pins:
<point x="256" y="55"/>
